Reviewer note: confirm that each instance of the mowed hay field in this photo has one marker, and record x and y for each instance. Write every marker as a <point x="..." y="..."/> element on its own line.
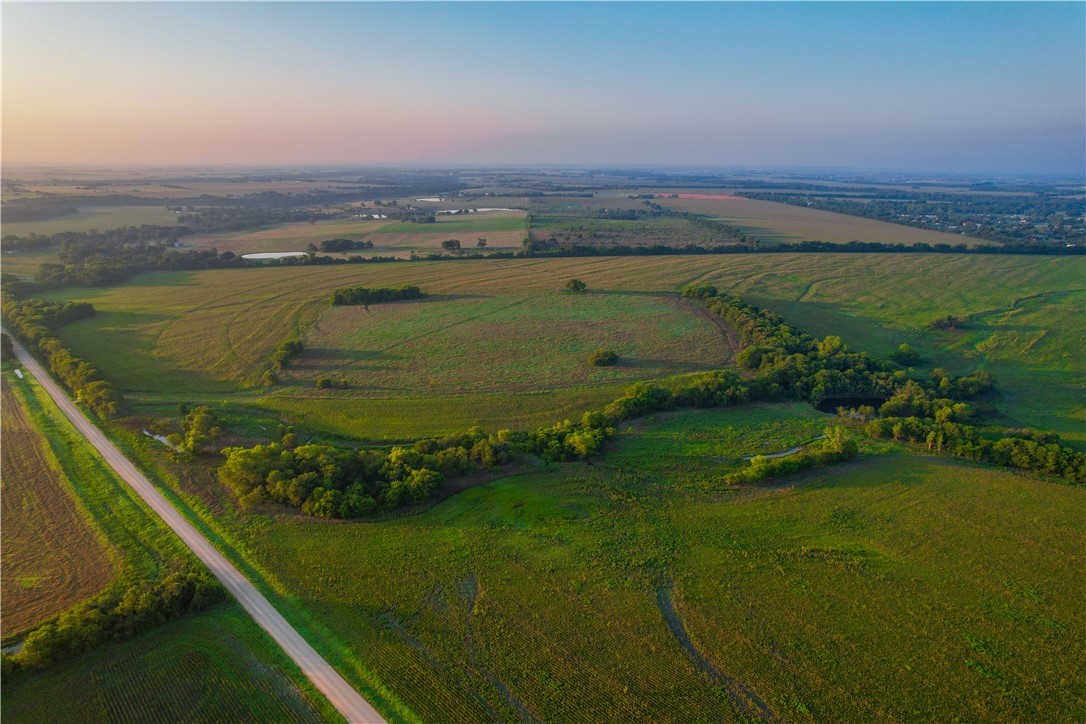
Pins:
<point x="503" y="230"/>
<point x="636" y="588"/>
<point x="776" y="223"/>
<point x="216" y="666"/>
<point x="52" y="556"/>
<point x="182" y="336"/>
<point x="94" y="217"/>
<point x="526" y="342"/>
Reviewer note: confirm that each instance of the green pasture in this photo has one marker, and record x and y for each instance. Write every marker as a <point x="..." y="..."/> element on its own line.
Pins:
<point x="409" y="418"/>
<point x="635" y="586"/>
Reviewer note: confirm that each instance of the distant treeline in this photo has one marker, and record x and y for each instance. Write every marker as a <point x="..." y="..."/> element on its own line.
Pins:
<point x="340" y="245"/>
<point x="237" y="218"/>
<point x="34" y="321"/>
<point x="88" y="243"/>
<point x="535" y="248"/>
<point x="366" y="295"/>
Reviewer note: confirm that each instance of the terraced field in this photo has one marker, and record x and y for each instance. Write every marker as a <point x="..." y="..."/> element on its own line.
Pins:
<point x="194" y="335"/>
<point x="53" y="557"/>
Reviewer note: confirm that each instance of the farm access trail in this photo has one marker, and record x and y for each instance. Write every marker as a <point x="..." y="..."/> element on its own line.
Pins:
<point x="339" y="693"/>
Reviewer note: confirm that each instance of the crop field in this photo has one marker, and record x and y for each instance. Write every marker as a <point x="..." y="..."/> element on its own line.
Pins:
<point x="52" y="557"/>
<point x="503" y="230"/>
<point x="776" y="223"/>
<point x="217" y="666"/>
<point x="192" y="335"/>
<point x="94" y="217"/>
<point x="637" y="587"/>
<point x="583" y="230"/>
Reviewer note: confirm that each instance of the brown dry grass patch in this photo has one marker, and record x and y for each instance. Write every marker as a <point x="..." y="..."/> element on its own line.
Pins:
<point x="51" y="557"/>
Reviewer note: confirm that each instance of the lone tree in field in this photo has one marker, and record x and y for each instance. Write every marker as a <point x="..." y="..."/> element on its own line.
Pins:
<point x="576" y="285"/>
<point x="451" y="244"/>
<point x="602" y="358"/>
<point x="481" y="243"/>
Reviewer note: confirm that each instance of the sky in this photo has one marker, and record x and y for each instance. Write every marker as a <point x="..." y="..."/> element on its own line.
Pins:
<point x="954" y="87"/>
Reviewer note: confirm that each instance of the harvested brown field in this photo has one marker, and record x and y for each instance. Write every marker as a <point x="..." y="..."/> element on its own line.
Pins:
<point x="51" y="557"/>
<point x="776" y="223"/>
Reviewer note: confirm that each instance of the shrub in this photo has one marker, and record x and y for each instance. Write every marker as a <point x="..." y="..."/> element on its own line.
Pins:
<point x="576" y="285"/>
<point x="603" y="358"/>
<point x="905" y="356"/>
<point x="323" y="383"/>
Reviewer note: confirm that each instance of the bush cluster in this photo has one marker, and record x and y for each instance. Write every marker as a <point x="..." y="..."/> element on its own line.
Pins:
<point x="366" y="296"/>
<point x="34" y="320"/>
<point x="603" y="358"/>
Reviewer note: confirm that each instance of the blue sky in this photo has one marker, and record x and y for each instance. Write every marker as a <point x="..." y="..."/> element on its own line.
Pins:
<point x="973" y="87"/>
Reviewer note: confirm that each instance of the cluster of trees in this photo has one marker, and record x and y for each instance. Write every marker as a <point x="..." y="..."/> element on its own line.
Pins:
<point x="340" y="245"/>
<point x="450" y="244"/>
<point x="801" y="366"/>
<point x="335" y="482"/>
<point x="834" y="447"/>
<point x="1039" y="452"/>
<point x="118" y="614"/>
<point x="325" y="383"/>
<point x="374" y="295"/>
<point x="200" y="427"/>
<point x="34" y="320"/>
<point x="564" y="441"/>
